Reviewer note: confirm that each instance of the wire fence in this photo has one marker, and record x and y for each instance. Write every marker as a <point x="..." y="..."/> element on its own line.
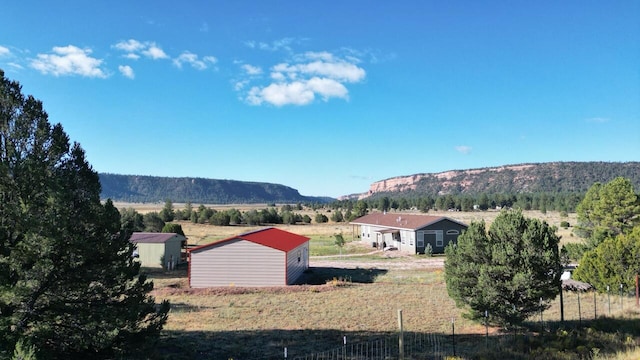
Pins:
<point x="578" y="307"/>
<point x="415" y="346"/>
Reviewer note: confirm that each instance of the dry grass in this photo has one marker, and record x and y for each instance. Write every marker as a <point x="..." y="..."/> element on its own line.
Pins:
<point x="354" y="299"/>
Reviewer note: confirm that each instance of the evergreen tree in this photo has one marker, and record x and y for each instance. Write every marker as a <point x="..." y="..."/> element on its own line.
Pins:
<point x="167" y="214"/>
<point x="173" y="228"/>
<point x="608" y="210"/>
<point x="131" y="220"/>
<point x="615" y="261"/>
<point x="505" y="271"/>
<point x="69" y="286"/>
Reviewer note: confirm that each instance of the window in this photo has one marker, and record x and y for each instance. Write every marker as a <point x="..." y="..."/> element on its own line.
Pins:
<point x="439" y="239"/>
<point x="453" y="232"/>
<point x="299" y="256"/>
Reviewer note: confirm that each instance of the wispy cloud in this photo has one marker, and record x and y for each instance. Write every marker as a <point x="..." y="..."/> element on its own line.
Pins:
<point x="204" y="27"/>
<point x="252" y="70"/>
<point x="597" y="120"/>
<point x="69" y="60"/>
<point x="134" y="49"/>
<point x="126" y="71"/>
<point x="4" y="51"/>
<point x="193" y="60"/>
<point x="463" y="149"/>
<point x="306" y="77"/>
<point x="276" y="45"/>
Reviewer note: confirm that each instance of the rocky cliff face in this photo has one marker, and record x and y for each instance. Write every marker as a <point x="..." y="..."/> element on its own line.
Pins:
<point x="450" y="181"/>
<point x="512" y="179"/>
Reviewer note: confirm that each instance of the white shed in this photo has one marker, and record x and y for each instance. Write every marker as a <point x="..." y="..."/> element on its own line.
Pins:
<point x="266" y="257"/>
<point x="158" y="250"/>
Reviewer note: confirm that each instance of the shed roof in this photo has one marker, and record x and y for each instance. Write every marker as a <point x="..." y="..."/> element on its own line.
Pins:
<point x="400" y="221"/>
<point x="151" y="237"/>
<point x="270" y="237"/>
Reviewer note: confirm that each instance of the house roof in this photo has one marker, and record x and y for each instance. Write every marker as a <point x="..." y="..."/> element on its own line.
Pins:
<point x="270" y="237"/>
<point x="151" y="237"/>
<point x="400" y="221"/>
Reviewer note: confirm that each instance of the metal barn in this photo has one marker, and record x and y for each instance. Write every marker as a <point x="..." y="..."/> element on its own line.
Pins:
<point x="266" y="257"/>
<point x="158" y="250"/>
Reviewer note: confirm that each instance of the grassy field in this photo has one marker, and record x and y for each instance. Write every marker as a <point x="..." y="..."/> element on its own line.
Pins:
<point x="361" y="302"/>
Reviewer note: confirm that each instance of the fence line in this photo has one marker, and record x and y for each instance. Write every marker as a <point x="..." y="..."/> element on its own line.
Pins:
<point x="578" y="307"/>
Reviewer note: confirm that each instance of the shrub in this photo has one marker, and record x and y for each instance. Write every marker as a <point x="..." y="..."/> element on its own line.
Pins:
<point x="428" y="250"/>
<point x="564" y="224"/>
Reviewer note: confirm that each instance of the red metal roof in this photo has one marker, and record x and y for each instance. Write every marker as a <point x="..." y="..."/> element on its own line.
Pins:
<point x="399" y="221"/>
<point x="270" y="237"/>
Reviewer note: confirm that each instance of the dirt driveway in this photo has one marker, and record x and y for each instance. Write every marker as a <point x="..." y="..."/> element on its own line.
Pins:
<point x="388" y="260"/>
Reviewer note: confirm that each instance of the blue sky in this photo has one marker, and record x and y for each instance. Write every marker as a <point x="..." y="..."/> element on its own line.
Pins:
<point x="330" y="96"/>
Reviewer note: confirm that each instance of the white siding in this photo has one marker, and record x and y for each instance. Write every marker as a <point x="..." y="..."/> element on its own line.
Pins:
<point x="297" y="262"/>
<point x="237" y="263"/>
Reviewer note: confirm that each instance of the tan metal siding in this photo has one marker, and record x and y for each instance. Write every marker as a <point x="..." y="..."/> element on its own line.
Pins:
<point x="150" y="255"/>
<point x="237" y="263"/>
<point x="297" y="262"/>
<point x="156" y="255"/>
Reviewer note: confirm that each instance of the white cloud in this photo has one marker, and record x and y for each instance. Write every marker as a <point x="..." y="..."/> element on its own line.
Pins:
<point x="193" y="60"/>
<point x="296" y="93"/>
<point x="308" y="76"/>
<point x="130" y="46"/>
<point x="327" y="88"/>
<point x="252" y="70"/>
<point x="134" y="49"/>
<point x="154" y="52"/>
<point x="69" y="60"/>
<point x="4" y="51"/>
<point x="276" y="45"/>
<point x="463" y="149"/>
<point x="126" y="71"/>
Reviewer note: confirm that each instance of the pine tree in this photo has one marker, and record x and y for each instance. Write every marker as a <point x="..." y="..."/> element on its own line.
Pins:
<point x="608" y="210"/>
<point x="68" y="283"/>
<point x="505" y="271"/>
<point x="614" y="262"/>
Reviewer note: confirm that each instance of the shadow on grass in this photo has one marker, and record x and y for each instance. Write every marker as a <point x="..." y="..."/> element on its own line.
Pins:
<point x="323" y="275"/>
<point x="585" y="342"/>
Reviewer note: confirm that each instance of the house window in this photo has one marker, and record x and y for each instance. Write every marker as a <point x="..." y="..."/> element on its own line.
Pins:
<point x="439" y="239"/>
<point x="453" y="232"/>
<point x="299" y="256"/>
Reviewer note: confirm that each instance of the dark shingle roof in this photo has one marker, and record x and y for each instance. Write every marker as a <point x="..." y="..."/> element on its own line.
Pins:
<point x="151" y="238"/>
<point x="400" y="221"/>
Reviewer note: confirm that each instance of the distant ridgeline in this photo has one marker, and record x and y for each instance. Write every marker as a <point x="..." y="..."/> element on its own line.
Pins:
<point x="147" y="189"/>
<point x="554" y="177"/>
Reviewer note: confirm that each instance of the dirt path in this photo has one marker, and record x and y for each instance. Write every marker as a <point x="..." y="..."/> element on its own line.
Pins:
<point x="387" y="260"/>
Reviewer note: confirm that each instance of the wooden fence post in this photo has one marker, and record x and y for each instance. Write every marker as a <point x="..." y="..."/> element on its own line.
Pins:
<point x="401" y="337"/>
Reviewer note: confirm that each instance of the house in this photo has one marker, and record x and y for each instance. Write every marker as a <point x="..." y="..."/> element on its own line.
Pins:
<point x="158" y="250"/>
<point x="408" y="233"/>
<point x="265" y="257"/>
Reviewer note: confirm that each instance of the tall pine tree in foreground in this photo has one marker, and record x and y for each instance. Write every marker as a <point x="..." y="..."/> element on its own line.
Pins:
<point x="505" y="271"/>
<point x="68" y="284"/>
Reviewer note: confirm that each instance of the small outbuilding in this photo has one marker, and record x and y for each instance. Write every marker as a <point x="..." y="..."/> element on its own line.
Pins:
<point x="158" y="250"/>
<point x="407" y="232"/>
<point x="265" y="257"/>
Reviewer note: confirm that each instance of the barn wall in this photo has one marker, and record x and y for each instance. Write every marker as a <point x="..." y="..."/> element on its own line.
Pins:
<point x="297" y="262"/>
<point x="150" y="255"/>
<point x="173" y="248"/>
<point x="237" y="263"/>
